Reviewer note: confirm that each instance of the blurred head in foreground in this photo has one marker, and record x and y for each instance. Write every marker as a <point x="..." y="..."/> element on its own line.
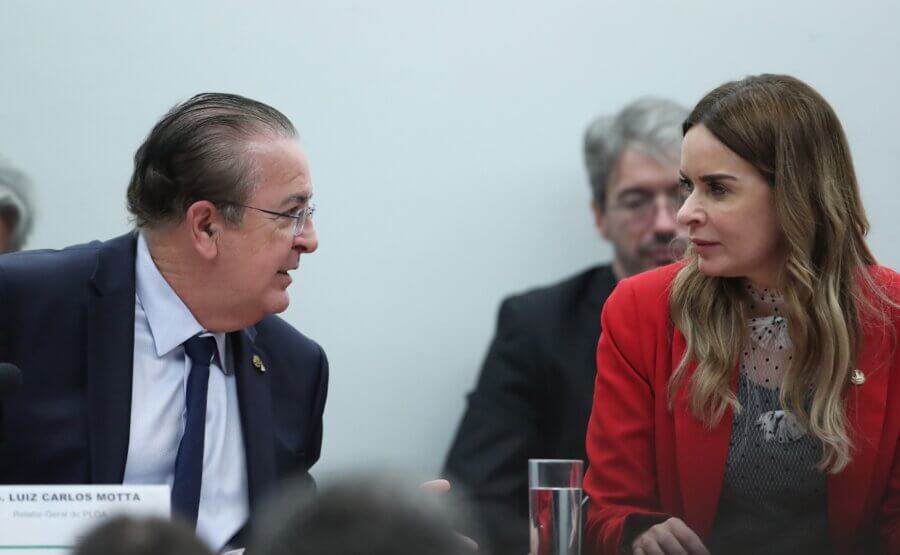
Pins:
<point x="141" y="536"/>
<point x="370" y="514"/>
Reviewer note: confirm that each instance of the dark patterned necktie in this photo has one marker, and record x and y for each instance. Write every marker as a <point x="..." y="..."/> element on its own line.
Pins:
<point x="189" y="460"/>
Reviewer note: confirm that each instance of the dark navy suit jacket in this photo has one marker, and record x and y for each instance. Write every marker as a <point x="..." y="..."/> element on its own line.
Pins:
<point x="67" y="321"/>
<point x="533" y="400"/>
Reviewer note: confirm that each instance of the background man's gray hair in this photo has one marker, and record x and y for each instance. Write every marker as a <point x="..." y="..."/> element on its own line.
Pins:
<point x="197" y="151"/>
<point x="16" y="207"/>
<point x="651" y="125"/>
<point x="362" y="514"/>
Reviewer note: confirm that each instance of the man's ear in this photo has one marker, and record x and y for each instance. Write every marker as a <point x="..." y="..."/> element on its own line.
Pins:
<point x="204" y="224"/>
<point x="599" y="219"/>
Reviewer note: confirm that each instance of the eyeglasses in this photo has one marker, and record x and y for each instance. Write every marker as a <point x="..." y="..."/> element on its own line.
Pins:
<point x="298" y="215"/>
<point x="641" y="206"/>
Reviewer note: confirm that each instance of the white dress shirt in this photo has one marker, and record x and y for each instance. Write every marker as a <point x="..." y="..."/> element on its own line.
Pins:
<point x="162" y="323"/>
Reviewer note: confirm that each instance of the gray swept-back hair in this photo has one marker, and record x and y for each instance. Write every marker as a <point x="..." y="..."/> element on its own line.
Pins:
<point x="649" y="124"/>
<point x="196" y="152"/>
<point x="16" y="207"/>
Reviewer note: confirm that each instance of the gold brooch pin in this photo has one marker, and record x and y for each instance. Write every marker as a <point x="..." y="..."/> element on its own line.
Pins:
<point x="258" y="363"/>
<point x="857" y="377"/>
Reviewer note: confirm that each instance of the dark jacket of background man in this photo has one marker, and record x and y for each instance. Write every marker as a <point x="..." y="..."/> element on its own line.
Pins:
<point x="530" y="398"/>
<point x="534" y="394"/>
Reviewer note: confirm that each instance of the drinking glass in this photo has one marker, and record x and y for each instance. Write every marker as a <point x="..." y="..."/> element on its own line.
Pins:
<point x="554" y="503"/>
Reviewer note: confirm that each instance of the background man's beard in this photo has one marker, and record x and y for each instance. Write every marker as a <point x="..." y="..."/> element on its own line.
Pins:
<point x="643" y="259"/>
<point x="673" y="247"/>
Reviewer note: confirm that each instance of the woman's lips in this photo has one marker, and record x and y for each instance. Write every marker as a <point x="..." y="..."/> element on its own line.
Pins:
<point x="702" y="247"/>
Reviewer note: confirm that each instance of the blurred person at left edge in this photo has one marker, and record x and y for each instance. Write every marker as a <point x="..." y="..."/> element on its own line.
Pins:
<point x="155" y="357"/>
<point x="16" y="208"/>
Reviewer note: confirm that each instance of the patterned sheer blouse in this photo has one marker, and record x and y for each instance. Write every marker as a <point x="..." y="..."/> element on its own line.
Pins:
<point x="773" y="498"/>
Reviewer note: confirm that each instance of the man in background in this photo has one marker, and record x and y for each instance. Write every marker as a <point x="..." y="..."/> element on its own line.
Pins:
<point x="16" y="210"/>
<point x="533" y="396"/>
<point x="155" y="357"/>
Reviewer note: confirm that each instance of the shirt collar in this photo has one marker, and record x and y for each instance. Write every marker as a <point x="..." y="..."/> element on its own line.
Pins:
<point x="171" y="321"/>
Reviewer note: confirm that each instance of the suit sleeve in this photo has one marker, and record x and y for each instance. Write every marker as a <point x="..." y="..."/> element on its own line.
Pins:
<point x="318" y="410"/>
<point x="621" y="476"/>
<point x="500" y="430"/>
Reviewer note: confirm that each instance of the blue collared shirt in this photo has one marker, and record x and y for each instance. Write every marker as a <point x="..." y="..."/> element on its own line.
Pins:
<point x="162" y="323"/>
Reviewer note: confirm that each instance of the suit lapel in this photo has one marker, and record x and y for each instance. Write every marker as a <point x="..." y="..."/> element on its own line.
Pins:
<point x="701" y="454"/>
<point x="848" y="490"/>
<point x="109" y="358"/>
<point x="255" y="402"/>
<point x="594" y="292"/>
<point x="599" y="287"/>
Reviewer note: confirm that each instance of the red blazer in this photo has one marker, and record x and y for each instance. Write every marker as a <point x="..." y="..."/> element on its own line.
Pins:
<point x="648" y="461"/>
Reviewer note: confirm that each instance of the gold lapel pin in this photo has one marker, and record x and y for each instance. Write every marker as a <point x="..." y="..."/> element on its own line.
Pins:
<point x="258" y="363"/>
<point x="857" y="377"/>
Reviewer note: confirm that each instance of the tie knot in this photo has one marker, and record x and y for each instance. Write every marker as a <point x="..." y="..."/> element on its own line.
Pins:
<point x="200" y="349"/>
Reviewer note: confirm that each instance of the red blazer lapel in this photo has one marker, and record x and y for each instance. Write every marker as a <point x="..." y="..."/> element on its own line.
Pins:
<point x="848" y="490"/>
<point x="701" y="454"/>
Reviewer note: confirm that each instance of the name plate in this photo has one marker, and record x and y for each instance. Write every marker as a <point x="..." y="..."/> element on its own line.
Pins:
<point x="49" y="520"/>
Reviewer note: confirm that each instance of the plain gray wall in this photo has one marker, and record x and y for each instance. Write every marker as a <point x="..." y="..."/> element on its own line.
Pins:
<point x="444" y="140"/>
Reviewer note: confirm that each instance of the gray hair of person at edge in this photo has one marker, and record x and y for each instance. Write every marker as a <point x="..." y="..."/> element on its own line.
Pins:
<point x="16" y="208"/>
<point x="649" y="124"/>
<point x="360" y="514"/>
<point x="141" y="536"/>
<point x="199" y="151"/>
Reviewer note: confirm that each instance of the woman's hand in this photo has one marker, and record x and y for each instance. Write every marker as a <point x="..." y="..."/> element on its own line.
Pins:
<point x="670" y="537"/>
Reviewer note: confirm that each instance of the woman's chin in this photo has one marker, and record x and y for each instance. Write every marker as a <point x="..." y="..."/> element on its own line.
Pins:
<point x="708" y="268"/>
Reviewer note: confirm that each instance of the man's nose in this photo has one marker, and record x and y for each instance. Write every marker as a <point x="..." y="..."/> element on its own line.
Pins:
<point x="308" y="241"/>
<point x="664" y="221"/>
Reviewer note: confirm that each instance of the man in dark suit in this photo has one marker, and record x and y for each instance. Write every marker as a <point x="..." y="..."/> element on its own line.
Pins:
<point x="533" y="397"/>
<point x="155" y="357"/>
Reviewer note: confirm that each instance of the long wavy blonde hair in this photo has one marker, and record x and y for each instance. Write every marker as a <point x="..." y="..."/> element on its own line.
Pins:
<point x="792" y="136"/>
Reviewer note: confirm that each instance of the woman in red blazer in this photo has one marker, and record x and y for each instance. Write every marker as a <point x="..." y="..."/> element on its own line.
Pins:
<point x="748" y="398"/>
